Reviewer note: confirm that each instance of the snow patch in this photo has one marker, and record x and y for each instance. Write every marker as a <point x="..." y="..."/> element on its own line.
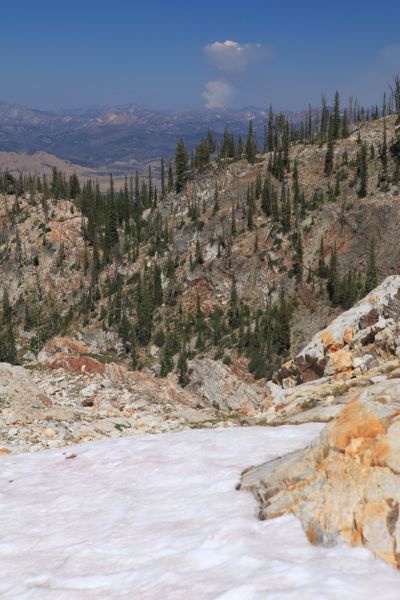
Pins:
<point x="158" y="516"/>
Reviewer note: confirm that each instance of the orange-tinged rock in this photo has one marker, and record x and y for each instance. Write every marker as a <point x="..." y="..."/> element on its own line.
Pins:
<point x="345" y="486"/>
<point x="342" y="361"/>
<point x="354" y="422"/>
<point x="329" y="342"/>
<point x="348" y="335"/>
<point x="50" y="433"/>
<point x="380" y="452"/>
<point x="71" y="362"/>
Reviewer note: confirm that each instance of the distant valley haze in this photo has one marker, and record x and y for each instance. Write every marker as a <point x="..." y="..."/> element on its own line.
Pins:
<point x="120" y="139"/>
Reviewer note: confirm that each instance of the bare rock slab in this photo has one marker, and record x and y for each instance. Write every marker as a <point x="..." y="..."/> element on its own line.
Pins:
<point x="331" y="351"/>
<point x="345" y="486"/>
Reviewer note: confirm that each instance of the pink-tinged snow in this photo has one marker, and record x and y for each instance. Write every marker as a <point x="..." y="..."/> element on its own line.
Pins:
<point x="158" y="517"/>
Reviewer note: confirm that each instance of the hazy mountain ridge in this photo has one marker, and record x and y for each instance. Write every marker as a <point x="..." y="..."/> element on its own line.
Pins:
<point x="119" y="137"/>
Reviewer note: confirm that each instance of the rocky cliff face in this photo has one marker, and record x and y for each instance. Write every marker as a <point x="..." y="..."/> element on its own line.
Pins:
<point x="345" y="485"/>
<point x="358" y="348"/>
<point x="341" y="347"/>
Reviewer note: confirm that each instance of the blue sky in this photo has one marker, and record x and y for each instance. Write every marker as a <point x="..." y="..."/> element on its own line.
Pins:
<point x="164" y="54"/>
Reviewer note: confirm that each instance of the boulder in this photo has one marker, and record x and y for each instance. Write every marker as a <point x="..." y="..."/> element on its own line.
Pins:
<point x="331" y="351"/>
<point x="75" y="363"/>
<point x="317" y="400"/>
<point x="18" y="389"/>
<point x="345" y="486"/>
<point x="224" y="386"/>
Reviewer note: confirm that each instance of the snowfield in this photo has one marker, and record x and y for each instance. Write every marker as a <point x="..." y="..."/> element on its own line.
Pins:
<point x="158" y="517"/>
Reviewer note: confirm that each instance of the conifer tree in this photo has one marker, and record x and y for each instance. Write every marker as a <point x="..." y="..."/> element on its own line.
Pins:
<point x="170" y="185"/>
<point x="250" y="208"/>
<point x="266" y="204"/>
<point x="256" y="243"/>
<point x="199" y="318"/>
<point x="258" y="187"/>
<point x="233" y="312"/>
<point x="345" y="124"/>
<point x="198" y="253"/>
<point x="162" y="177"/>
<point x="298" y="257"/>
<point x="384" y="156"/>
<point x="167" y="354"/>
<point x="324" y="121"/>
<point x="269" y="137"/>
<point x="111" y="228"/>
<point x="251" y="149"/>
<point x="134" y="350"/>
<point x="332" y="285"/>
<point x="61" y="254"/>
<point x="285" y="144"/>
<point x="124" y="328"/>
<point x="240" y="147"/>
<point x="336" y="117"/>
<point x="286" y="210"/>
<point x="282" y="325"/>
<point x="363" y="171"/>
<point x="181" y="166"/>
<point x="309" y="126"/>
<point x="8" y="351"/>
<point x="6" y="307"/>
<point x="18" y="247"/>
<point x="322" y="268"/>
<point x="371" y="278"/>
<point x="274" y="206"/>
<point x="74" y="186"/>
<point x="144" y="310"/>
<point x="182" y="366"/>
<point x="85" y="261"/>
<point x="337" y="186"/>
<point x="233" y="219"/>
<point x="150" y="186"/>
<point x="296" y="185"/>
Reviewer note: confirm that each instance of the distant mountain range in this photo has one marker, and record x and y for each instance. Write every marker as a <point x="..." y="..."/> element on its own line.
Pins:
<point x="120" y="138"/>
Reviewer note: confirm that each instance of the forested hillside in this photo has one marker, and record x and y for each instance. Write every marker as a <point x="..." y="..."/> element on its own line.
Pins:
<point x="238" y="254"/>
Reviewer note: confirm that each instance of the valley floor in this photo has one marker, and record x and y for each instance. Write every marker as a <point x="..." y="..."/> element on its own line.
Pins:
<point x="158" y="516"/>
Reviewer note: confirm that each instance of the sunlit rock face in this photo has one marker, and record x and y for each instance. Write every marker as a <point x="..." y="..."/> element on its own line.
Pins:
<point x="345" y="486"/>
<point x="339" y="349"/>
